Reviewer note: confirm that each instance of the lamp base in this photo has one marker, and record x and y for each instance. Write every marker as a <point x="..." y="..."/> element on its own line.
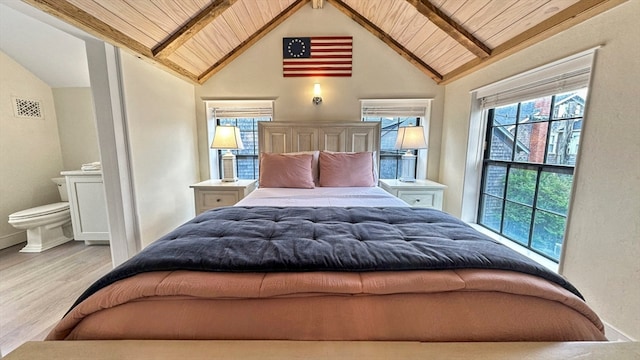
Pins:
<point x="408" y="167"/>
<point x="228" y="167"/>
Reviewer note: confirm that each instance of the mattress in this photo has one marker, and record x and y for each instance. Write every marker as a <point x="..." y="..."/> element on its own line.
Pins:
<point x="330" y="273"/>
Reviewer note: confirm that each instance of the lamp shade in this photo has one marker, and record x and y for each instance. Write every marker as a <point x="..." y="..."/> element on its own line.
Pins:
<point x="411" y="137"/>
<point x="227" y="137"/>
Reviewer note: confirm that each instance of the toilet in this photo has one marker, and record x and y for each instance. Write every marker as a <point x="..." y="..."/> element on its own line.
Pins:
<point x="48" y="225"/>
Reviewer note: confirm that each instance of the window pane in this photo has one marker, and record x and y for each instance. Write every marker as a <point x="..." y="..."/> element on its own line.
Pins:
<point x="548" y="233"/>
<point x="408" y="121"/>
<point x="501" y="143"/>
<point x="495" y="177"/>
<point x="535" y="110"/>
<point x="388" y="137"/>
<point x="388" y="167"/>
<point x="248" y="128"/>
<point x="505" y="115"/>
<point x="517" y="221"/>
<point x="532" y="141"/>
<point x="521" y="186"/>
<point x="230" y="122"/>
<point x="554" y="192"/>
<point x="566" y="137"/>
<point x="386" y="123"/>
<point x="491" y="212"/>
<point x="247" y="167"/>
<point x="570" y="105"/>
<point x="522" y="145"/>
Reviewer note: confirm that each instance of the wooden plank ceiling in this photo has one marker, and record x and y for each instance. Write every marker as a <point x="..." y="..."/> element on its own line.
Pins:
<point x="446" y="39"/>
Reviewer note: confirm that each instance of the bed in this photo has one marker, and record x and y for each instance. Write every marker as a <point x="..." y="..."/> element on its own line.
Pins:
<point x="325" y="261"/>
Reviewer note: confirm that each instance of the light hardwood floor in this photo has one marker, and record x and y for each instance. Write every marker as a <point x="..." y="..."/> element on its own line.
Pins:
<point x="36" y="289"/>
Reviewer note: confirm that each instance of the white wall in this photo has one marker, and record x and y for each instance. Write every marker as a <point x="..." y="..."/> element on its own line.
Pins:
<point x="30" y="152"/>
<point x="76" y="126"/>
<point x="602" y="249"/>
<point x="378" y="72"/>
<point x="162" y="133"/>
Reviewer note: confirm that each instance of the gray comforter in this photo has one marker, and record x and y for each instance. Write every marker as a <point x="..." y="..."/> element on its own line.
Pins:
<point x="272" y="239"/>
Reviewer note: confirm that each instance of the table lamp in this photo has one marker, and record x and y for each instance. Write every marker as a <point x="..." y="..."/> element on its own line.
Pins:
<point x="227" y="137"/>
<point x="409" y="138"/>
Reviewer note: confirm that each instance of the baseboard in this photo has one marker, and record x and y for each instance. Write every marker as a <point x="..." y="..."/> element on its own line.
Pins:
<point x="10" y="240"/>
<point x="614" y="334"/>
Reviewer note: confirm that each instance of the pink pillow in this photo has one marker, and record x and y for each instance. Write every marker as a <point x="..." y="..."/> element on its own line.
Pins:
<point x="286" y="171"/>
<point x="346" y="169"/>
<point x="314" y="163"/>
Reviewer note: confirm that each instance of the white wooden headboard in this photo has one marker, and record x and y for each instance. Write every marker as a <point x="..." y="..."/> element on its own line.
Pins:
<point x="285" y="136"/>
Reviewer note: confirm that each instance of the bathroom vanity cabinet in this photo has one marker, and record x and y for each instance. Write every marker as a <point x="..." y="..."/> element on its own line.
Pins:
<point x="88" y="206"/>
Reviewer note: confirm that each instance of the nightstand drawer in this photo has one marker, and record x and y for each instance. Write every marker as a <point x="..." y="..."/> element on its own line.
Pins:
<point x="418" y="198"/>
<point x="421" y="193"/>
<point x="211" y="194"/>
<point x="213" y="199"/>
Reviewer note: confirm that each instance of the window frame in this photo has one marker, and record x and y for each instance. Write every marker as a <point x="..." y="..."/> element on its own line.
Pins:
<point x="554" y="74"/>
<point x="540" y="168"/>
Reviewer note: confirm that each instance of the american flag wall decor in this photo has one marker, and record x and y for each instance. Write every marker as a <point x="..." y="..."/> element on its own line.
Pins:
<point x="317" y="56"/>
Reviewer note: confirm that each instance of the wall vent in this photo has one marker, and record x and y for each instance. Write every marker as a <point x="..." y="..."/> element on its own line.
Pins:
<point x="27" y="108"/>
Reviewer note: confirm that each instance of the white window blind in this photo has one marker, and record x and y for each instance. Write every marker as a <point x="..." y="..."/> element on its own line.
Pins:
<point x="395" y="107"/>
<point x="239" y="108"/>
<point x="571" y="73"/>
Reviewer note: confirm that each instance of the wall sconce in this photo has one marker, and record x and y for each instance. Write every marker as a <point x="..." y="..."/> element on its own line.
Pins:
<point x="317" y="94"/>
<point x="410" y="138"/>
<point x="227" y="137"/>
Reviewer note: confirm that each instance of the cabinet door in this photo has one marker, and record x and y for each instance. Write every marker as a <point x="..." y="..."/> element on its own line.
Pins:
<point x="88" y="208"/>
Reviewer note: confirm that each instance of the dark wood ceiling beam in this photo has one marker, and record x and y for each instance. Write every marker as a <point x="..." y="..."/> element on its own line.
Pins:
<point x="452" y="28"/>
<point x="574" y="14"/>
<point x="96" y="27"/>
<point x="243" y="46"/>
<point x="191" y="28"/>
<point x="387" y="39"/>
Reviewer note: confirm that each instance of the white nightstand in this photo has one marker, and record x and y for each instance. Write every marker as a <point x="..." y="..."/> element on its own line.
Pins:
<point x="422" y="193"/>
<point x="211" y="194"/>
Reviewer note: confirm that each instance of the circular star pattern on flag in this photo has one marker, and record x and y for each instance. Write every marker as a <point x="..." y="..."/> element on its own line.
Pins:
<point x="296" y="48"/>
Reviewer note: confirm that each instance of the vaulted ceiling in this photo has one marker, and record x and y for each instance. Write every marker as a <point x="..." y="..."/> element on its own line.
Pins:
<point x="446" y="39"/>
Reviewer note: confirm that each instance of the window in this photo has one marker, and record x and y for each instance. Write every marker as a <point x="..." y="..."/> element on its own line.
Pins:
<point x="244" y="114"/>
<point x="526" y="190"/>
<point x="392" y="114"/>
<point x="533" y="127"/>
